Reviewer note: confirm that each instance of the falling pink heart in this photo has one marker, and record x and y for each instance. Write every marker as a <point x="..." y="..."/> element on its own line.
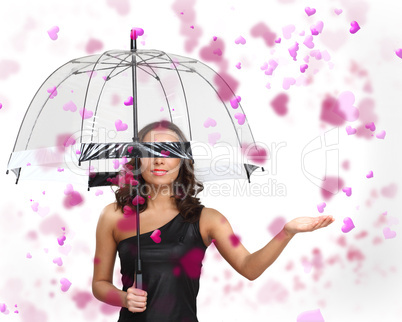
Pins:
<point x="388" y="233"/>
<point x="74" y="199"/>
<point x="302" y="33"/>
<point x="287" y="82"/>
<point x="278" y="41"/>
<point x="65" y="284"/>
<point x="98" y="192"/>
<point x="35" y="206"/>
<point x="217" y="52"/>
<point x="241" y="118"/>
<point x="136" y="32"/>
<point x="138" y="199"/>
<point x="58" y="261"/>
<point x="350" y="130"/>
<point x="52" y="91"/>
<point x="310" y="11"/>
<point x="116" y="164"/>
<point x="318" y="27"/>
<point x="128" y="211"/>
<point x="155" y="236"/>
<point x="345" y="108"/>
<point x="287" y="31"/>
<point x="69" y="141"/>
<point x="370" y="126"/>
<point x="61" y="240"/>
<point x="165" y="153"/>
<point x="303" y="68"/>
<point x="65" y="250"/>
<point x="381" y="135"/>
<point x="354" y="27"/>
<point x="369" y="175"/>
<point x="398" y="52"/>
<point x="257" y="154"/>
<point x="390" y="190"/>
<point x="314" y="32"/>
<point x="215" y="38"/>
<point x="69" y="189"/>
<point x="52" y="32"/>
<point x="321" y="207"/>
<point x="338" y="11"/>
<point x="310" y="316"/>
<point x="293" y="51"/>
<point x="192" y="27"/>
<point x="264" y="66"/>
<point x="213" y="138"/>
<point x="235" y="240"/>
<point x="28" y="255"/>
<point x="308" y="42"/>
<point x="348" y="225"/>
<point x="70" y="106"/>
<point x="347" y="191"/>
<point x="238" y="65"/>
<point x="235" y="102"/>
<point x="209" y="122"/>
<point x="1" y="106"/>
<point x="240" y="40"/>
<point x="128" y="101"/>
<point x="120" y="126"/>
<point x="279" y="104"/>
<point x="88" y="114"/>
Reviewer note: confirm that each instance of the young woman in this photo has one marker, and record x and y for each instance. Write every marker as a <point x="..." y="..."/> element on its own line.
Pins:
<point x="175" y="231"/>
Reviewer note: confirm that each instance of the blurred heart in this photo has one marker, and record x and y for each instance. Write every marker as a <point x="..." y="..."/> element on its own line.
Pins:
<point x="354" y="27"/>
<point x="120" y="126"/>
<point x="240" y="40"/>
<point x="309" y="11"/>
<point x="241" y="118"/>
<point x="52" y="32"/>
<point x="155" y="236"/>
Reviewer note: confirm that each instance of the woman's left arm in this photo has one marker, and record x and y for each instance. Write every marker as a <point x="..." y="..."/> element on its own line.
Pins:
<point x="253" y="265"/>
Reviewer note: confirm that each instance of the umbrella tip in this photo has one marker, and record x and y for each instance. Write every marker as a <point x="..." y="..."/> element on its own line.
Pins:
<point x="134" y="34"/>
<point x="7" y="172"/>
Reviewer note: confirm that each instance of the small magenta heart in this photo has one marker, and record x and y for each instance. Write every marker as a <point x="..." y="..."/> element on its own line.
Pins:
<point x="128" y="211"/>
<point x="156" y="236"/>
<point x="348" y="225"/>
<point x="347" y="190"/>
<point x="128" y="101"/>
<point x="354" y="27"/>
<point x="381" y="135"/>
<point x="58" y="261"/>
<point x="98" y="192"/>
<point x="279" y="104"/>
<point x="338" y="11"/>
<point x="70" y="106"/>
<point x="192" y="27"/>
<point x="398" y="52"/>
<point x="350" y="130"/>
<point x="69" y="141"/>
<point x="264" y="66"/>
<point x="388" y="233"/>
<point x="65" y="284"/>
<point x="235" y="240"/>
<point x="310" y="11"/>
<point x="213" y="138"/>
<point x="278" y="41"/>
<point x="238" y="65"/>
<point x="120" y="126"/>
<point x="129" y="149"/>
<point x="370" y="126"/>
<point x="287" y="31"/>
<point x="209" y="122"/>
<point x="369" y="175"/>
<point x="235" y="102"/>
<point x="138" y="199"/>
<point x="303" y="68"/>
<point x="215" y="38"/>
<point x="256" y="153"/>
<point x="28" y="255"/>
<point x="240" y="40"/>
<point x="88" y="114"/>
<point x="241" y="118"/>
<point x="321" y="207"/>
<point x="302" y="33"/>
<point x="61" y="240"/>
<point x="314" y="32"/>
<point x="217" y="52"/>
<point x="308" y="42"/>
<point x="293" y="51"/>
<point x="136" y="32"/>
<point x="116" y="164"/>
<point x="69" y="189"/>
<point x="287" y="82"/>
<point x="52" y="91"/>
<point x="52" y="32"/>
<point x="35" y="206"/>
<point x="165" y="153"/>
<point x="310" y="316"/>
<point x="318" y="27"/>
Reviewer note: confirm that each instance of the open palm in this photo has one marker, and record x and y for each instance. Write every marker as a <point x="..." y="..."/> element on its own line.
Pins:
<point x="304" y="224"/>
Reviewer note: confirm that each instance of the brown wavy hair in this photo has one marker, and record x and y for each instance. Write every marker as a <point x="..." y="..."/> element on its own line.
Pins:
<point x="185" y="187"/>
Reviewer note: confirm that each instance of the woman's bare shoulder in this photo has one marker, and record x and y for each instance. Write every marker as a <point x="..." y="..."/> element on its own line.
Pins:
<point x="110" y="213"/>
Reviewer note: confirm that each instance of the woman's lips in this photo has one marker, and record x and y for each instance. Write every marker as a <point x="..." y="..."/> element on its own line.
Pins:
<point x="159" y="172"/>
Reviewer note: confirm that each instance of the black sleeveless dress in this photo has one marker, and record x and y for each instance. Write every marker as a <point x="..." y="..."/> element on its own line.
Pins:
<point x="170" y="270"/>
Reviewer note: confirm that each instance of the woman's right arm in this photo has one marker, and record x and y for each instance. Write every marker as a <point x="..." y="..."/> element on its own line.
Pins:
<point x="105" y="255"/>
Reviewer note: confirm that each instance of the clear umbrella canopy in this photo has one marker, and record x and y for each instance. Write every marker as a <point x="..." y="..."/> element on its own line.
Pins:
<point x="85" y="115"/>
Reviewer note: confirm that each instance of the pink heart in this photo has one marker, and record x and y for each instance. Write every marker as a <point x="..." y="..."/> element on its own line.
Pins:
<point x="257" y="154"/>
<point x="390" y="191"/>
<point x="279" y="104"/>
<point x="235" y="240"/>
<point x="348" y="225"/>
<point x="308" y="41"/>
<point x="310" y="316"/>
<point x="213" y="138"/>
<point x="70" y="106"/>
<point x="321" y="207"/>
<point x="318" y="27"/>
<point x="287" y="31"/>
<point x="238" y="65"/>
<point x="69" y="141"/>
<point x="156" y="236"/>
<point x="293" y="51"/>
<point x="120" y="126"/>
<point x="302" y="33"/>
<point x="370" y="126"/>
<point x="354" y="27"/>
<point x="278" y="41"/>
<point x="138" y="199"/>
<point x="314" y="31"/>
<point x="35" y="206"/>
<point x="287" y="82"/>
<point x="128" y="211"/>
<point x="388" y="233"/>
<point x="73" y="199"/>
<point x="350" y="130"/>
<point x="65" y="284"/>
<point x="69" y="189"/>
<point x="98" y="192"/>
<point x="215" y="38"/>
<point x="128" y="101"/>
<point x="264" y="67"/>
<point x="61" y="240"/>
<point x="338" y="11"/>
<point x="93" y="45"/>
<point x="88" y="114"/>
<point x="65" y="250"/>
<point x="217" y="52"/>
<point x="3" y="308"/>
<point x="240" y="40"/>
<point x="309" y="11"/>
<point x="235" y="102"/>
<point x="129" y="149"/>
<point x="1" y="105"/>
<point x="192" y="27"/>
<point x="345" y="108"/>
<point x="52" y="91"/>
<point x="348" y="191"/>
<point x="58" y="261"/>
<point x="316" y="54"/>
<point x="306" y="59"/>
<point x="369" y="175"/>
<point x="52" y="32"/>
<point x="165" y="153"/>
<point x="209" y="122"/>
<point x="381" y="135"/>
<point x="241" y="118"/>
<point x="398" y="52"/>
<point x="28" y="255"/>
<point x="303" y="68"/>
<point x="136" y="32"/>
<point x="116" y="164"/>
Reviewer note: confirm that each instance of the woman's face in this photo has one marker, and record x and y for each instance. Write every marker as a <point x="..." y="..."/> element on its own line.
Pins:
<point x="160" y="171"/>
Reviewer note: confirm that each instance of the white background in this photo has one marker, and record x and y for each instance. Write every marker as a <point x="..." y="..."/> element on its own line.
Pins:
<point x="350" y="277"/>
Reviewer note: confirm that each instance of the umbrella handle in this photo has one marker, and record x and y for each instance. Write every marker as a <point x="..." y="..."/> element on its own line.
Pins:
<point x="138" y="280"/>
